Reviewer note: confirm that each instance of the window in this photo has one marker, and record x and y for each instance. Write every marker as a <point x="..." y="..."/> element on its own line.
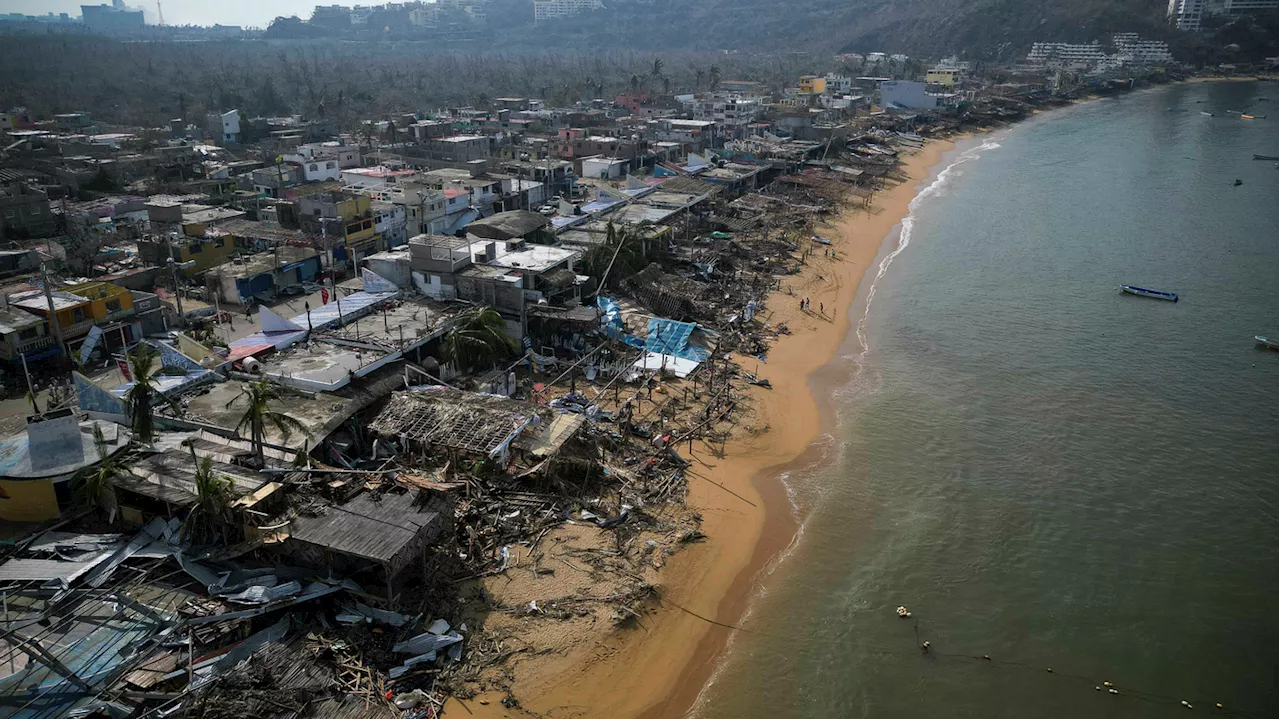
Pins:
<point x="113" y="305"/>
<point x="77" y="315"/>
<point x="220" y="242"/>
<point x="35" y="211"/>
<point x="313" y="167"/>
<point x="328" y="165"/>
<point x="196" y="248"/>
<point x="8" y="212"/>
<point x="29" y="333"/>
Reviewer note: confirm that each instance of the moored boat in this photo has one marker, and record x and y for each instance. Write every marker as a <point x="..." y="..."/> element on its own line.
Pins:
<point x="1267" y="342"/>
<point x="1265" y="157"/>
<point x="1247" y="117"/>
<point x="1206" y="114"/>
<point x="1154" y="294"/>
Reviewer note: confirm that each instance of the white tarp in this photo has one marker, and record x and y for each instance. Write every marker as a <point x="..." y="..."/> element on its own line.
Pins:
<point x="656" y="361"/>
<point x="272" y="322"/>
<point x="90" y="342"/>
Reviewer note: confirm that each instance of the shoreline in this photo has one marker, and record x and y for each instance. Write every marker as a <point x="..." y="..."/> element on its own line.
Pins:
<point x="746" y="512"/>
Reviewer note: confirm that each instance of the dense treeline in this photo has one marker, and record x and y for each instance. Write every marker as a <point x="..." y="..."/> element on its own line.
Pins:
<point x="149" y="83"/>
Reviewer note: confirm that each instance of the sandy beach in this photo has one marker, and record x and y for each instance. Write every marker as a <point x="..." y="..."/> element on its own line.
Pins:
<point x="658" y="669"/>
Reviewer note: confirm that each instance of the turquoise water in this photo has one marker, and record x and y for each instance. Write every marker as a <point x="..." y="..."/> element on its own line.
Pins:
<point x="1040" y="468"/>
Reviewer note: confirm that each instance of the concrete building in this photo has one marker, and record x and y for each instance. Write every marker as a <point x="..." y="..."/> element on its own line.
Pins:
<point x="459" y="148"/>
<point x="24" y="212"/>
<point x="224" y="127"/>
<point x="1132" y="49"/>
<point x="24" y="334"/>
<point x="544" y="10"/>
<point x="263" y="277"/>
<point x="435" y="260"/>
<point x="730" y="110"/>
<point x="204" y="252"/>
<point x="604" y="168"/>
<point x="1186" y="14"/>
<point x="906" y="94"/>
<point x="320" y="161"/>
<point x="1066" y="56"/>
<point x="944" y="76"/>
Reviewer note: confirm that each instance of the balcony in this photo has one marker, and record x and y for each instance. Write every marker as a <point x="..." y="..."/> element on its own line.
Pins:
<point x="30" y="346"/>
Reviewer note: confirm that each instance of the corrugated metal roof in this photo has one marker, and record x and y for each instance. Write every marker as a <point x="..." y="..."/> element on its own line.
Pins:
<point x="366" y="527"/>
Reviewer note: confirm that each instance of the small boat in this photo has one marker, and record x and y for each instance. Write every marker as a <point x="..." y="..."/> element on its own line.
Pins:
<point x="1206" y="114"/>
<point x="1234" y="112"/>
<point x="1267" y="343"/>
<point x="1266" y="157"/>
<point x="1154" y="294"/>
<point x="1246" y="117"/>
<point x="821" y="240"/>
<point x="1238" y="182"/>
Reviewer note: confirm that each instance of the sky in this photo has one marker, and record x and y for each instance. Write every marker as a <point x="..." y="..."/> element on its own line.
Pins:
<point x="183" y="12"/>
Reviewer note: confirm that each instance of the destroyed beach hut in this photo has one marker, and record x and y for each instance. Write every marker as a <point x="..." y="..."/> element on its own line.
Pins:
<point x="162" y="482"/>
<point x="380" y="536"/>
<point x="474" y="428"/>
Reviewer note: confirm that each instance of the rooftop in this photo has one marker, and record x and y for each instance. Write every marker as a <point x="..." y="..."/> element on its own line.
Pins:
<point x="17" y="320"/>
<point x="508" y="225"/>
<point x="536" y="258"/>
<point x="373" y="527"/>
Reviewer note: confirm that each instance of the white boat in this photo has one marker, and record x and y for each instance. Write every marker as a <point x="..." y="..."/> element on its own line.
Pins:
<point x="1267" y="342"/>
<point x="1154" y="294"/>
<point x="1206" y="114"/>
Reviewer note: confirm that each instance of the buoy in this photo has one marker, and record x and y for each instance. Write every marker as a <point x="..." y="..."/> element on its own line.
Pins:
<point x="925" y="646"/>
<point x="1097" y="689"/>
<point x="1113" y="691"/>
<point x="987" y="657"/>
<point x="1186" y="704"/>
<point x="1107" y="684"/>
<point x="902" y="612"/>
<point x="1219" y="705"/>
<point x="1050" y="670"/>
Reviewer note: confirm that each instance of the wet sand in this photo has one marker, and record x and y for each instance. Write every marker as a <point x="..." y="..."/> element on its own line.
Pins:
<point x="658" y="670"/>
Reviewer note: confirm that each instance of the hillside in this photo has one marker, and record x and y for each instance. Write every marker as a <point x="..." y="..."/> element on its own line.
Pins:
<point x="990" y="29"/>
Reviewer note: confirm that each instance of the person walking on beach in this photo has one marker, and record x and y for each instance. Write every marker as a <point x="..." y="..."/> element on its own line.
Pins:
<point x="821" y="309"/>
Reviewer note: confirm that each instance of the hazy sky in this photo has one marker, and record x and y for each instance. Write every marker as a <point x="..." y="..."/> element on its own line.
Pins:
<point x="184" y="12"/>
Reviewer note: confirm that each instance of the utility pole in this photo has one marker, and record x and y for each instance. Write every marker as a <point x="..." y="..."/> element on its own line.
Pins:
<point x="53" y="312"/>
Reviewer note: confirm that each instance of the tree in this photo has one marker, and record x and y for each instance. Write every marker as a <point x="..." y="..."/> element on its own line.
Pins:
<point x="209" y="517"/>
<point x="96" y="489"/>
<point x="714" y="77"/>
<point x="621" y="255"/>
<point x="477" y="339"/>
<point x="144" y="393"/>
<point x="257" y="398"/>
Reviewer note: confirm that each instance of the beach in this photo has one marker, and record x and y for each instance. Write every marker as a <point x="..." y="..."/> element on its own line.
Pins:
<point x="658" y="669"/>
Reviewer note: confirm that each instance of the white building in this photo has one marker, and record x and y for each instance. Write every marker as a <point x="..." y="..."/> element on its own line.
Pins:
<point x="727" y="109"/>
<point x="324" y="160"/>
<point x="1186" y="14"/>
<point x="1132" y="49"/>
<point x="903" y="93"/>
<point x="1065" y="56"/>
<point x="839" y="84"/>
<point x="389" y="220"/>
<point x="604" y="168"/>
<point x="544" y="10"/>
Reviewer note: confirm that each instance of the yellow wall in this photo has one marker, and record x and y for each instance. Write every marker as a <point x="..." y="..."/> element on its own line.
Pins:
<point x="210" y="255"/>
<point x="29" y="500"/>
<point x="941" y="77"/>
<point x="98" y="294"/>
<point x="813" y="85"/>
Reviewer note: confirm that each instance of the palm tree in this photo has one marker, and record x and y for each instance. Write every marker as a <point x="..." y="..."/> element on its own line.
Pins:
<point x="657" y="68"/>
<point x="211" y="513"/>
<point x="97" y="489"/>
<point x="714" y="77"/>
<point x="698" y="76"/>
<point x="478" y="338"/>
<point x="257" y="397"/>
<point x="621" y="255"/>
<point x="144" y="393"/>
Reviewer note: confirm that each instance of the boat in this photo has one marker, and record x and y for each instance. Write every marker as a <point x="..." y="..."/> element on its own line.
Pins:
<point x="1154" y="294"/>
<point x="1206" y="114"/>
<point x="1267" y="343"/>
<point x="1265" y="157"/>
<point x="821" y="240"/>
<point x="1234" y="112"/>
<point x="1246" y="117"/>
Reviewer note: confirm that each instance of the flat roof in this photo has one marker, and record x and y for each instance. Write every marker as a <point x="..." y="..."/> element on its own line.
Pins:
<point x="536" y="258"/>
<point x="37" y="301"/>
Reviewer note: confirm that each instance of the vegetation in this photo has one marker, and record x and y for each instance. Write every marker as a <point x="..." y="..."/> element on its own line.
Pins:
<point x="96" y="489"/>
<point x="257" y="398"/>
<point x="144" y="394"/>
<point x="209" y="518"/>
<point x="477" y="340"/>
<point x="621" y="255"/>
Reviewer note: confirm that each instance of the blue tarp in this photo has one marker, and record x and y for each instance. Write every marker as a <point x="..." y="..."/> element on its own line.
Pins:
<point x="665" y="336"/>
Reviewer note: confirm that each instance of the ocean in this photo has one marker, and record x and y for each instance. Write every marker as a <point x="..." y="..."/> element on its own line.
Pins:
<point x="1077" y="483"/>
